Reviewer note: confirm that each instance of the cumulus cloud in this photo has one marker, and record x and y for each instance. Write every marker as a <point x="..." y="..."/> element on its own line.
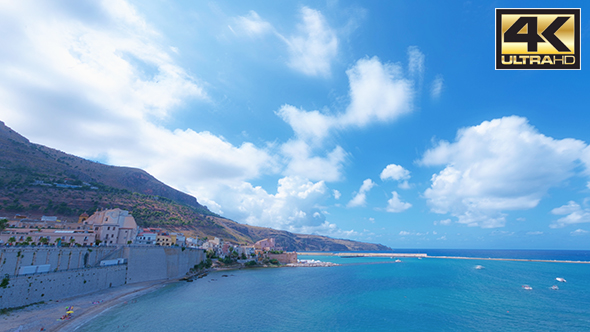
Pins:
<point x="534" y="233"/>
<point x="395" y="204"/>
<point x="104" y="77"/>
<point x="397" y="173"/>
<point x="499" y="165"/>
<point x="403" y="233"/>
<point x="574" y="214"/>
<point x="103" y="71"/>
<point x="311" y="126"/>
<point x="295" y="206"/>
<point x="301" y="162"/>
<point x="378" y="93"/>
<point x="361" y="196"/>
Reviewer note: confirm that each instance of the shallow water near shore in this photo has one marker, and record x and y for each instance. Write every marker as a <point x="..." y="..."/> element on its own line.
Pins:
<point x="368" y="294"/>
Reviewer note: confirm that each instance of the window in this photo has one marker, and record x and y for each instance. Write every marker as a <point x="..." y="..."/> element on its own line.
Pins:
<point x="108" y="228"/>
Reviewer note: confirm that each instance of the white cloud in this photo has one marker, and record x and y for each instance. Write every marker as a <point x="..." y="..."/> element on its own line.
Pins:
<point x="104" y="82"/>
<point x="294" y="207"/>
<point x="300" y="161"/>
<point x="534" y="233"/>
<point x="360" y="198"/>
<point x="415" y="63"/>
<point x="501" y="233"/>
<point x="316" y="45"/>
<point x="311" y="50"/>
<point x="100" y="82"/>
<point x="579" y="232"/>
<point x="404" y="233"/>
<point x="253" y="25"/>
<point x="437" y="87"/>
<point x="397" y="173"/>
<point x="575" y="214"/>
<point x="499" y="165"/>
<point x="337" y="194"/>
<point x="310" y="126"/>
<point x="378" y="93"/>
<point x="396" y="205"/>
<point x="444" y="222"/>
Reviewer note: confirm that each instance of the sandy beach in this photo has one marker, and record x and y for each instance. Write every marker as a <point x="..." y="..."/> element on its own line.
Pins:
<point x="45" y="317"/>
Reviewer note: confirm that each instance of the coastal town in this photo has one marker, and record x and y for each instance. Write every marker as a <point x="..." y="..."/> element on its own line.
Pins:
<point x="116" y="227"/>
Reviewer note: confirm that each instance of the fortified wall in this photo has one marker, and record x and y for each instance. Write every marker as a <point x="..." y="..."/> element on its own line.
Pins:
<point x="44" y="274"/>
<point x="284" y="258"/>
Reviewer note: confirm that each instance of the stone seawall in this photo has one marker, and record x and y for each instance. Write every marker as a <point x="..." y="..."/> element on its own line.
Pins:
<point x="147" y="263"/>
<point x="27" y="289"/>
<point x="285" y="258"/>
<point x="60" y="259"/>
<point x="76" y="271"/>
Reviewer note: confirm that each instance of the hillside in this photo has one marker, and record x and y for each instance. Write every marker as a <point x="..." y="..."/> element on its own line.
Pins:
<point x="36" y="180"/>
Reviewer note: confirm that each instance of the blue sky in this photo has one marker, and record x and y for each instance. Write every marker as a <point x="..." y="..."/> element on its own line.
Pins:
<point x="379" y="121"/>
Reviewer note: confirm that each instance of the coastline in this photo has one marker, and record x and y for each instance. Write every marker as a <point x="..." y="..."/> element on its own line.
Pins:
<point x="46" y="315"/>
<point x="86" y="308"/>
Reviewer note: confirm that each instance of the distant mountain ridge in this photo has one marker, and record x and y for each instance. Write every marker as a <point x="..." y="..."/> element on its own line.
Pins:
<point x="36" y="180"/>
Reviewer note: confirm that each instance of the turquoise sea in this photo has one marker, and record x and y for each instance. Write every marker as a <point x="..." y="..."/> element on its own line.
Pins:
<point x="372" y="294"/>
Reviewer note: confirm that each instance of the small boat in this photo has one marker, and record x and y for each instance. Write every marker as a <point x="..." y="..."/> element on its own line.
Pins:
<point x="527" y="287"/>
<point x="560" y="279"/>
<point x="479" y="267"/>
<point x="398" y="261"/>
<point x="554" y="287"/>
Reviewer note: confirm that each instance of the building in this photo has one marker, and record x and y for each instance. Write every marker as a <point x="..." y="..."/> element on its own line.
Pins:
<point x="178" y="239"/>
<point x="146" y="238"/>
<point x="82" y="217"/>
<point x="48" y="236"/>
<point x="113" y="227"/>
<point x="163" y="239"/>
<point x="266" y="245"/>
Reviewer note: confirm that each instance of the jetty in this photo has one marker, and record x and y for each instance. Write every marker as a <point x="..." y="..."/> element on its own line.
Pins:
<point x="363" y="254"/>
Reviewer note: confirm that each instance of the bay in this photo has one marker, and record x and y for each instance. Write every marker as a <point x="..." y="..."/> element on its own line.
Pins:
<point x="371" y="294"/>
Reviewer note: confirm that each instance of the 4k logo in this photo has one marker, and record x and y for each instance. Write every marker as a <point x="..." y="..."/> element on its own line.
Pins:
<point x="537" y="38"/>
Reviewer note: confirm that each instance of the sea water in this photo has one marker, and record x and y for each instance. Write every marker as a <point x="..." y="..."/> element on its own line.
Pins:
<point x="371" y="294"/>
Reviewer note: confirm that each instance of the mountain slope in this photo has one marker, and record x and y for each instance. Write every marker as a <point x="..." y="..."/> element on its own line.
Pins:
<point x="36" y="180"/>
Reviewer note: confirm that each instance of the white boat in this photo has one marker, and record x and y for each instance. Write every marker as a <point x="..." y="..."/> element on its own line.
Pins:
<point x="560" y="279"/>
<point x="479" y="267"/>
<point x="527" y="287"/>
<point x="554" y="287"/>
<point x="398" y="261"/>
